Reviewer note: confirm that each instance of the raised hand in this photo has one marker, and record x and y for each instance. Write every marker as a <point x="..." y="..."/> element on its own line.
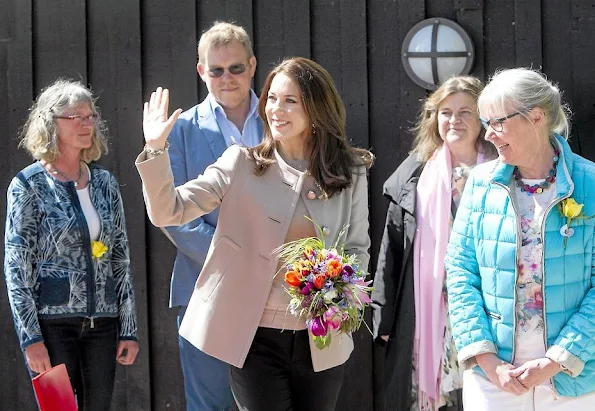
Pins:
<point x="156" y="124"/>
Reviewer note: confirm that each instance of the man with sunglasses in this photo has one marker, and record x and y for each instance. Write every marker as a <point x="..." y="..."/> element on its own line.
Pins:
<point x="227" y="116"/>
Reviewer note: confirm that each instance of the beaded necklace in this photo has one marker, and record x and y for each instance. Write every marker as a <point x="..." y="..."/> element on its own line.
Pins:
<point x="544" y="185"/>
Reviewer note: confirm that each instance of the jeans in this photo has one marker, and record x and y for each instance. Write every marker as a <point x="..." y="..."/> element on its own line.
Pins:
<point x="89" y="354"/>
<point x="206" y="378"/>
<point x="278" y="375"/>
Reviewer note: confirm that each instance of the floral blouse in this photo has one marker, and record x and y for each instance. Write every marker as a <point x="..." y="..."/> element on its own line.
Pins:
<point x="529" y="307"/>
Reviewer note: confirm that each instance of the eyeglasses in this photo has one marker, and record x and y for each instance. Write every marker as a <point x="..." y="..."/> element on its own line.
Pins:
<point x="496" y="123"/>
<point x="80" y="120"/>
<point x="234" y="69"/>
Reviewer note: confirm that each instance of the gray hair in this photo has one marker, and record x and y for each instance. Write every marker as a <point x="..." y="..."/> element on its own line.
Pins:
<point x="522" y="89"/>
<point x="221" y="34"/>
<point x="39" y="135"/>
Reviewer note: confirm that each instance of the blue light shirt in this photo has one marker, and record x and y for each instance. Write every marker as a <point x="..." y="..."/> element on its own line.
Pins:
<point x="249" y="137"/>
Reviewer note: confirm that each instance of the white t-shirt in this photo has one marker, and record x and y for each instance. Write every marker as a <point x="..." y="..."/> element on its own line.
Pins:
<point x="91" y="215"/>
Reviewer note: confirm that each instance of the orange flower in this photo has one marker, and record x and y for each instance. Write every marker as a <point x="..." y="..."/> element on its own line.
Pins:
<point x="333" y="268"/>
<point x="293" y="278"/>
<point x="319" y="281"/>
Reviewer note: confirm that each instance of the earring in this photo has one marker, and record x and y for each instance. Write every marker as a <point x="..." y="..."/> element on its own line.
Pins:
<point x="313" y="130"/>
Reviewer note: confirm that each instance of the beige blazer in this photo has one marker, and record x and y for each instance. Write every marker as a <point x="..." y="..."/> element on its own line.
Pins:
<point x="255" y="211"/>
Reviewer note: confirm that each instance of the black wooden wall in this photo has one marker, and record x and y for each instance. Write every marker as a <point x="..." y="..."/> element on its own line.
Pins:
<point x="125" y="48"/>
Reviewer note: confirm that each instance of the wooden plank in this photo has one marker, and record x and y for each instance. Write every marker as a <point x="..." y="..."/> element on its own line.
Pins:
<point x="584" y="87"/>
<point x="169" y="59"/>
<point x="60" y="41"/>
<point x="16" y="93"/>
<point x="354" y="73"/>
<point x="339" y="44"/>
<point x="169" y="50"/>
<point x="471" y="20"/>
<point x="20" y="95"/>
<point x="468" y="4"/>
<point x="393" y="98"/>
<point x="557" y="50"/>
<point x="527" y="31"/>
<point x="583" y="8"/>
<point x="470" y="16"/>
<point x="234" y="11"/>
<point x="281" y="29"/>
<point x="393" y="105"/>
<point x="499" y="36"/>
<point x="326" y="27"/>
<point x="115" y="74"/>
<point x="441" y="8"/>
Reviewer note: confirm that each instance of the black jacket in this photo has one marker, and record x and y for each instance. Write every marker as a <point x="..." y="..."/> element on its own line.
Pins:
<point x="393" y="299"/>
<point x="393" y="296"/>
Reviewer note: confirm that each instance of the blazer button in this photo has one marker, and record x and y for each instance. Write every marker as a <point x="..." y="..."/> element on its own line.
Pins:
<point x="326" y="230"/>
<point x="311" y="195"/>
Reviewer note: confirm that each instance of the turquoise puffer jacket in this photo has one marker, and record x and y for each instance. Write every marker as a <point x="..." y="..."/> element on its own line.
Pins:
<point x="481" y="271"/>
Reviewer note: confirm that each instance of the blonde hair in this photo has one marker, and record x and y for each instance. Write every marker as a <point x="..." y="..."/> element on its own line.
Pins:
<point x="522" y="89"/>
<point x="221" y="34"/>
<point x="427" y="137"/>
<point x="39" y="136"/>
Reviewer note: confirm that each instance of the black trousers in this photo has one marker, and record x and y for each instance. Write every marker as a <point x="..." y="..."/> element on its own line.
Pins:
<point x="278" y="375"/>
<point x="89" y="355"/>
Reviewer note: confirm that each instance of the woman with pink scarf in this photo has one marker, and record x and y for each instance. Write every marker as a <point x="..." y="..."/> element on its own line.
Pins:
<point x="409" y="299"/>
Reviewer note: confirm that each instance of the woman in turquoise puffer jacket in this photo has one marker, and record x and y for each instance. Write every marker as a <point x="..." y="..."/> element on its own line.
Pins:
<point x="520" y="261"/>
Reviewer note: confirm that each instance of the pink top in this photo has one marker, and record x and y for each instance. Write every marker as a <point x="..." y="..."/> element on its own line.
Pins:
<point x="276" y="314"/>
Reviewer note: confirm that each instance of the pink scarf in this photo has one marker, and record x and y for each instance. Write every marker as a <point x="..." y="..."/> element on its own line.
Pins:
<point x="433" y="213"/>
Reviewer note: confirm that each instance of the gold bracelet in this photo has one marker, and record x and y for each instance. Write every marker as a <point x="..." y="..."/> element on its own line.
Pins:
<point x="155" y="153"/>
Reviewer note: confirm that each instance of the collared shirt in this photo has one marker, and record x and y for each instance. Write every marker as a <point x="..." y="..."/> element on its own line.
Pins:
<point x="249" y="136"/>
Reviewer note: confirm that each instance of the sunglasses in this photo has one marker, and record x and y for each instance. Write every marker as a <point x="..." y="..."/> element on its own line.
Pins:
<point x="234" y="69"/>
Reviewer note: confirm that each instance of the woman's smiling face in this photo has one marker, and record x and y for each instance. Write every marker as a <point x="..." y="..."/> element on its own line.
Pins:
<point x="518" y="138"/>
<point x="458" y="123"/>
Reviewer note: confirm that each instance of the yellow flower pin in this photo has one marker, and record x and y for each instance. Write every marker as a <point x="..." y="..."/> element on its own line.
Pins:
<point x="98" y="249"/>
<point x="571" y="209"/>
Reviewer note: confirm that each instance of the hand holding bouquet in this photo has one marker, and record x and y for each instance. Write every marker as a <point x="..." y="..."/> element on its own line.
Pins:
<point x="326" y="286"/>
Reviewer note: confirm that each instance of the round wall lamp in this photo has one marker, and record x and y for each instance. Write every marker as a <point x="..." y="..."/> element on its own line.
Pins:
<point x="436" y="49"/>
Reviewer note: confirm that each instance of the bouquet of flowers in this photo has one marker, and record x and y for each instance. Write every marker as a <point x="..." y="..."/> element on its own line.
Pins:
<point x="326" y="286"/>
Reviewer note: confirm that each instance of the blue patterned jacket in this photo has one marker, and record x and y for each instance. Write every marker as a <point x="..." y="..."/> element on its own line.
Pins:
<point x="482" y="271"/>
<point x="49" y="268"/>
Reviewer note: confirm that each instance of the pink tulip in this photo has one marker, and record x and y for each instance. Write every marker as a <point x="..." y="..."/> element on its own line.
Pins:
<point x="318" y="328"/>
<point x="333" y="317"/>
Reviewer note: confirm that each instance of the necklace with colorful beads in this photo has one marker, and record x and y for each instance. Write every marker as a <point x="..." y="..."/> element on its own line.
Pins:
<point x="544" y="185"/>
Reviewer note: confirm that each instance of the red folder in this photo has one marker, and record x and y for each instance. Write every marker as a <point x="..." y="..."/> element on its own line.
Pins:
<point x="54" y="391"/>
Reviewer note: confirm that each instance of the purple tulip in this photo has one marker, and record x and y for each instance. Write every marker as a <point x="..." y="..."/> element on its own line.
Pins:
<point x="347" y="271"/>
<point x="318" y="327"/>
<point x="305" y="290"/>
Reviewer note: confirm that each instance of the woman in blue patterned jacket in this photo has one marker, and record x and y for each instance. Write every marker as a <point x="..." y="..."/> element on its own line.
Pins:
<point x="520" y="263"/>
<point x="66" y="256"/>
